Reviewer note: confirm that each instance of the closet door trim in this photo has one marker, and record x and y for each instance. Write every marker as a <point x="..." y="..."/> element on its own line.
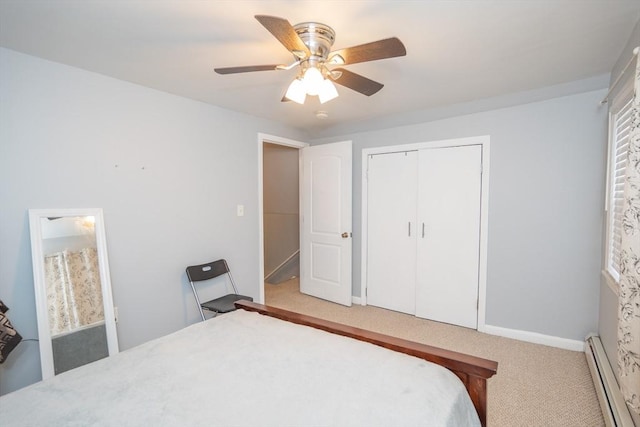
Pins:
<point x="483" y="141"/>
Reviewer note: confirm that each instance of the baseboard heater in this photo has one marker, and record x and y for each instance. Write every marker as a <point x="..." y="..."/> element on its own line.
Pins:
<point x="614" y="409"/>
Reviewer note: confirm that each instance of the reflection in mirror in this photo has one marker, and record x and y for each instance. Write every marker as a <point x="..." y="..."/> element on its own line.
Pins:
<point x="76" y="324"/>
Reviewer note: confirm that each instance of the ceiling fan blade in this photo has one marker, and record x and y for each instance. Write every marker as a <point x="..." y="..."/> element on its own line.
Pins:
<point x="387" y="48"/>
<point x="285" y="33"/>
<point x="357" y="82"/>
<point x="247" y="69"/>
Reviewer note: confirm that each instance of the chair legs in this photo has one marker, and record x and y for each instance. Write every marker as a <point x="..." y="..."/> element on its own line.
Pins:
<point x="195" y="294"/>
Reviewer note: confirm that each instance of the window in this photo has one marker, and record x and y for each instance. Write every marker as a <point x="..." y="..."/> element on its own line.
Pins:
<point x="620" y="129"/>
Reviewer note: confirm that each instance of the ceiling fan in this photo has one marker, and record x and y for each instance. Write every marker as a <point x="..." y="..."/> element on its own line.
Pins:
<point x="310" y="43"/>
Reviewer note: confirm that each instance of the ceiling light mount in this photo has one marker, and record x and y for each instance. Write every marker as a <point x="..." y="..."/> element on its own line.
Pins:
<point x="322" y="115"/>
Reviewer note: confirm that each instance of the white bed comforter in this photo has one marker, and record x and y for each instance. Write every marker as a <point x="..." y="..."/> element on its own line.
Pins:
<point x="245" y="369"/>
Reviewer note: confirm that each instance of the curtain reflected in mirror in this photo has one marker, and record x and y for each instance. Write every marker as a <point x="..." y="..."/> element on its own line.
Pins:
<point x="74" y="296"/>
<point x="74" y="292"/>
<point x="70" y="268"/>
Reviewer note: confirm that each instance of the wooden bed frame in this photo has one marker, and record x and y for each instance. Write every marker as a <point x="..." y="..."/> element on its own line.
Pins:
<point x="473" y="371"/>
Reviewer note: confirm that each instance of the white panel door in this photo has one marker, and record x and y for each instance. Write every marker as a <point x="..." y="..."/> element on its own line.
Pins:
<point x="325" y="237"/>
<point x="448" y="243"/>
<point x="391" y="230"/>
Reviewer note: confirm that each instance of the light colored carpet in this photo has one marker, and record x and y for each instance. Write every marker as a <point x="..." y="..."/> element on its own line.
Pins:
<point x="535" y="385"/>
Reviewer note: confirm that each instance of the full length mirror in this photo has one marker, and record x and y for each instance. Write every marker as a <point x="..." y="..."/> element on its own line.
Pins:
<point x="76" y="320"/>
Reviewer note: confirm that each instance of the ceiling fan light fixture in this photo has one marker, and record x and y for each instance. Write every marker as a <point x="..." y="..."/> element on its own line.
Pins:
<point x="296" y="91"/>
<point x="328" y="91"/>
<point x="313" y="81"/>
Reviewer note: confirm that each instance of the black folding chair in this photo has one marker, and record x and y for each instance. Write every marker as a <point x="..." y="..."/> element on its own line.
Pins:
<point x="202" y="272"/>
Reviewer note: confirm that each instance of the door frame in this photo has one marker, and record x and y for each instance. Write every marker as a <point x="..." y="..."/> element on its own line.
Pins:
<point x="271" y="139"/>
<point x="484" y="142"/>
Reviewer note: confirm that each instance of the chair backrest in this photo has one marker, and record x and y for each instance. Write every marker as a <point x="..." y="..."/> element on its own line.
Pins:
<point x="196" y="273"/>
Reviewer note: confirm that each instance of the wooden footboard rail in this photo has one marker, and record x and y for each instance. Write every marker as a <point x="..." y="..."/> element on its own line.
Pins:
<point x="473" y="371"/>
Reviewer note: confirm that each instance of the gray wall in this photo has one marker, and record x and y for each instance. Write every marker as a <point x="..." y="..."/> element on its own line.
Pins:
<point x="546" y="196"/>
<point x="167" y="171"/>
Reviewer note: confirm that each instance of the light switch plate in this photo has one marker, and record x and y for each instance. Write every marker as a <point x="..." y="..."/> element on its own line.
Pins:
<point x="240" y="210"/>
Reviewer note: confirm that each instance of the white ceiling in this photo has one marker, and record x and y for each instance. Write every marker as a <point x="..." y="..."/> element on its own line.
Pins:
<point x="457" y="51"/>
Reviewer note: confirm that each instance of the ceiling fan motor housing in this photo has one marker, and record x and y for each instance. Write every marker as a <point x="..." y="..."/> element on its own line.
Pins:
<point x="318" y="38"/>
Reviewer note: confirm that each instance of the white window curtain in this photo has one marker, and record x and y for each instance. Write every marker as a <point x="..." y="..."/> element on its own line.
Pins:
<point x="74" y="293"/>
<point x="629" y="301"/>
<point x="619" y="150"/>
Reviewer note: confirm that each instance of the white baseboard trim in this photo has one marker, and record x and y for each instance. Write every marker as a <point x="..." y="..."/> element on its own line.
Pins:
<point x="536" y="338"/>
<point x="356" y="300"/>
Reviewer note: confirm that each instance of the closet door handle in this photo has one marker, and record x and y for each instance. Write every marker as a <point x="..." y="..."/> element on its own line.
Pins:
<point x="409" y="228"/>
<point x="423" y="230"/>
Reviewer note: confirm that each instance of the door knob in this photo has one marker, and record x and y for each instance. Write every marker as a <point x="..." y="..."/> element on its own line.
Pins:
<point x="345" y="235"/>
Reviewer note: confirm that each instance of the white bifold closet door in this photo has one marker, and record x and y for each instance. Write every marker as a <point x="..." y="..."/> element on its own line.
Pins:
<point x="392" y="204"/>
<point x="449" y="248"/>
<point x="424" y="233"/>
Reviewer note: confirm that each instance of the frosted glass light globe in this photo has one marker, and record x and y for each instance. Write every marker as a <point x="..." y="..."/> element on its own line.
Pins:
<point x="313" y="81"/>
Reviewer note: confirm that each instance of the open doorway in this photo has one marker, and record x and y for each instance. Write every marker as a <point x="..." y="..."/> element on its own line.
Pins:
<point x="279" y="214"/>
<point x="324" y="191"/>
<point x="281" y="217"/>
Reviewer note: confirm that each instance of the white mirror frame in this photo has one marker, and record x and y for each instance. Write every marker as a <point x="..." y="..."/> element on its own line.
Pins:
<point x="37" y="254"/>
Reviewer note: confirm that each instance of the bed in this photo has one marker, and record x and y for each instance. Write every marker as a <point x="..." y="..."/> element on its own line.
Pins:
<point x="251" y="368"/>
